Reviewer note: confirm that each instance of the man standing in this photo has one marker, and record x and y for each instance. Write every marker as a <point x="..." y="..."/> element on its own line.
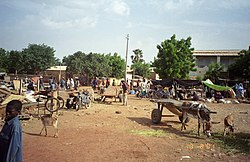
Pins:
<point x="11" y="134"/>
<point x="125" y="93"/>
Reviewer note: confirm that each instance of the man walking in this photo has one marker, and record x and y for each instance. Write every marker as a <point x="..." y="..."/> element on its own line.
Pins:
<point x="125" y="93"/>
<point x="11" y="134"/>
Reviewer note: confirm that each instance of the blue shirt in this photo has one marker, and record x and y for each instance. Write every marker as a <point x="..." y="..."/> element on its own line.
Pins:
<point x="11" y="141"/>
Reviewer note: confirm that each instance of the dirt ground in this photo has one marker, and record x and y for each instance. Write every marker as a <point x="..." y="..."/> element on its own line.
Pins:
<point x="113" y="132"/>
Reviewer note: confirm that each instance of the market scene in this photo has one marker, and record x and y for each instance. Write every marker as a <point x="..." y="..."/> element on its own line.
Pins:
<point x="75" y="88"/>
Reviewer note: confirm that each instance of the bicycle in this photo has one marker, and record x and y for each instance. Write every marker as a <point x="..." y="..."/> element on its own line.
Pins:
<point x="52" y="104"/>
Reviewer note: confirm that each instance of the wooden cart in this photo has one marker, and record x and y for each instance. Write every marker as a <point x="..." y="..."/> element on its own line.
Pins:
<point x="172" y="105"/>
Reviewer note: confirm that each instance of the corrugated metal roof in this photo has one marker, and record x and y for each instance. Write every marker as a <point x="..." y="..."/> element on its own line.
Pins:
<point x="216" y="52"/>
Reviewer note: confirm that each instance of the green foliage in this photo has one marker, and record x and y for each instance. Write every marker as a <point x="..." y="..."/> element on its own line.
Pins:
<point x="241" y="68"/>
<point x="141" y="69"/>
<point x="32" y="60"/>
<point x="15" y="62"/>
<point x="37" y="58"/>
<point x="234" y="143"/>
<point x="138" y="64"/>
<point x="3" y="60"/>
<point x="174" y="59"/>
<point x="150" y="133"/>
<point x="199" y="78"/>
<point x="94" y="64"/>
<point x="137" y="57"/>
<point x="214" y="71"/>
<point x="117" y="65"/>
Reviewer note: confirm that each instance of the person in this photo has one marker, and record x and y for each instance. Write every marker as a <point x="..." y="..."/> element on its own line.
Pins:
<point x="41" y="86"/>
<point x="31" y="86"/>
<point x="195" y="97"/>
<point x="218" y="96"/>
<point x="72" y="83"/>
<point x="94" y="83"/>
<point x="113" y="83"/>
<point x="52" y="84"/>
<point x="68" y="84"/>
<point x="11" y="134"/>
<point x="77" y="83"/>
<point x="62" y="83"/>
<point x="240" y="89"/>
<point x="107" y="83"/>
<point x="125" y="93"/>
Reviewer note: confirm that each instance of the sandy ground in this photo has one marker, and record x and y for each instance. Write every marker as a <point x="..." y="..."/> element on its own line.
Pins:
<point x="110" y="132"/>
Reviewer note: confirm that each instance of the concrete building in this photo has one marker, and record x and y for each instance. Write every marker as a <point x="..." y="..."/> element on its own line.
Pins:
<point x="206" y="57"/>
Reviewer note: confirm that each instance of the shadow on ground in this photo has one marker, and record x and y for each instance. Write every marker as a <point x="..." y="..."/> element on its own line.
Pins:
<point x="236" y="143"/>
<point x="165" y="126"/>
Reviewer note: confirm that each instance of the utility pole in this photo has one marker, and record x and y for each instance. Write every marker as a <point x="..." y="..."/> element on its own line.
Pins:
<point x="125" y="77"/>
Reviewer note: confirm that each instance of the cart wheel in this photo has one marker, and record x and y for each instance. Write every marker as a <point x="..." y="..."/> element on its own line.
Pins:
<point x="156" y="116"/>
<point x="61" y="101"/>
<point x="186" y="121"/>
<point x="52" y="104"/>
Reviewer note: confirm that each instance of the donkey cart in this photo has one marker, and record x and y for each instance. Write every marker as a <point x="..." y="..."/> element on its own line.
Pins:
<point x="172" y="105"/>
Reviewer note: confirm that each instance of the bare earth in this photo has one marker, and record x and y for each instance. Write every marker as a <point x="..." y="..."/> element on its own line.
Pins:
<point x="107" y="132"/>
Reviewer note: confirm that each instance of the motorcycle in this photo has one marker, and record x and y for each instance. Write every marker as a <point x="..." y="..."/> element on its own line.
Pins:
<point x="78" y="101"/>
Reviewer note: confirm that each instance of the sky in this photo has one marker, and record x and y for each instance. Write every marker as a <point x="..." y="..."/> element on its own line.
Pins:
<point x="101" y="26"/>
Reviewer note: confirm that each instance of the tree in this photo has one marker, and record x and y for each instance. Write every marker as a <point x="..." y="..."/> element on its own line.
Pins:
<point x="141" y="69"/>
<point x="117" y="65"/>
<point x="241" y="67"/>
<point x="137" y="57"/>
<point x="174" y="59"/>
<point x="3" y="60"/>
<point x="37" y="58"/>
<point x="94" y="64"/>
<point x="214" y="71"/>
<point x="15" y="62"/>
<point x="138" y="64"/>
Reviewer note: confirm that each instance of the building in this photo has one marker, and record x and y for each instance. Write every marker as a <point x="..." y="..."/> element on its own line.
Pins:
<point x="56" y="71"/>
<point x="206" y="57"/>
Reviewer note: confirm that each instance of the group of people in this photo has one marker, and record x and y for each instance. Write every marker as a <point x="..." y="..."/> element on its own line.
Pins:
<point x="102" y="83"/>
<point x="62" y="84"/>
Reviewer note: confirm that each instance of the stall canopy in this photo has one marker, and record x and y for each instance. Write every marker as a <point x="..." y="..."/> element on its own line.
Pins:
<point x="214" y="86"/>
<point x="169" y="82"/>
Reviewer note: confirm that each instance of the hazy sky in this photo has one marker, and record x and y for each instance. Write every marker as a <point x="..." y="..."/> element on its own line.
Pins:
<point x="101" y="26"/>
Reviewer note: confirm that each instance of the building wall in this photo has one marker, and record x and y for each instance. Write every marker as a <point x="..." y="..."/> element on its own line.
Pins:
<point x="203" y="61"/>
<point x="206" y="57"/>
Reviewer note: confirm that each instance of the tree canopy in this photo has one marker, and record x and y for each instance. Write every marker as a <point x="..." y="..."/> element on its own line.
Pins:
<point x="174" y="59"/>
<point x="3" y="60"/>
<point x="32" y="60"/>
<point x="137" y="56"/>
<point x="240" y="69"/>
<point x="214" y="71"/>
<point x="138" y="64"/>
<point x="94" y="64"/>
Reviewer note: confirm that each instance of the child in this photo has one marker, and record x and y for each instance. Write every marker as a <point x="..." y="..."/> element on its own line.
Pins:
<point x="11" y="134"/>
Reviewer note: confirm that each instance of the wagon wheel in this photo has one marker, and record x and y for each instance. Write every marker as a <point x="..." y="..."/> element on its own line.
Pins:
<point x="61" y="101"/>
<point x="156" y="116"/>
<point x="52" y="104"/>
<point x="186" y="121"/>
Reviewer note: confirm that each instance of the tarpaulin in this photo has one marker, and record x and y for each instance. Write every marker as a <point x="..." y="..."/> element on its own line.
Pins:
<point x="215" y="87"/>
<point x="169" y="82"/>
<point x="163" y="83"/>
<point x="187" y="83"/>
